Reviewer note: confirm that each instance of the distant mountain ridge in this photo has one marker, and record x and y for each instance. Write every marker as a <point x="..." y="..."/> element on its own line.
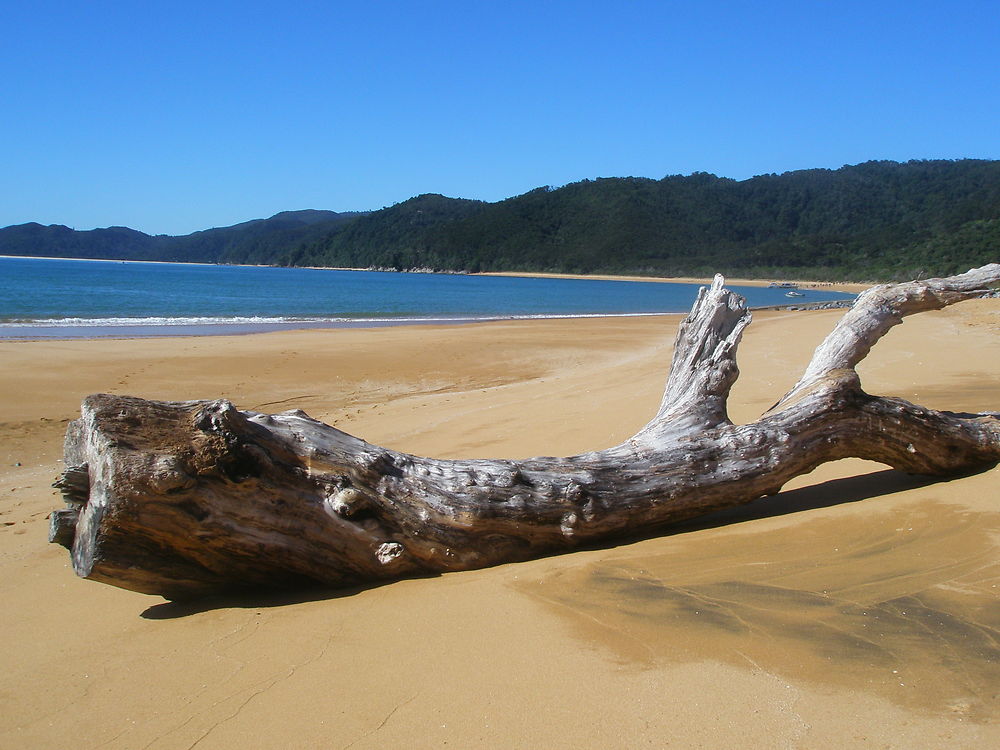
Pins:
<point x="255" y="241"/>
<point x="877" y="220"/>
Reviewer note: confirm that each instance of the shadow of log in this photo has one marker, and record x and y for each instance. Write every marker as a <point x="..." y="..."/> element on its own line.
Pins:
<point x="822" y="495"/>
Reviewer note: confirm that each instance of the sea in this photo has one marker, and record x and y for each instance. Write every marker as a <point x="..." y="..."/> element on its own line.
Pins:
<point x="63" y="298"/>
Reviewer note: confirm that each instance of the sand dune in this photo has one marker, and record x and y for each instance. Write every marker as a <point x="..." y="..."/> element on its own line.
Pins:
<point x="858" y="608"/>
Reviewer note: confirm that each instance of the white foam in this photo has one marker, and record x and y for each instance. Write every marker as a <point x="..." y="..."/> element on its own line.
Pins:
<point x="291" y="321"/>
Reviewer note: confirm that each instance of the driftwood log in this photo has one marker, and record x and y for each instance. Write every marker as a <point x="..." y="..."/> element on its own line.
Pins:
<point x="185" y="499"/>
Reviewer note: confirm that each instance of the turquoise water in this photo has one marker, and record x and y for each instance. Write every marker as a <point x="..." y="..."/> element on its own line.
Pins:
<point x="69" y="298"/>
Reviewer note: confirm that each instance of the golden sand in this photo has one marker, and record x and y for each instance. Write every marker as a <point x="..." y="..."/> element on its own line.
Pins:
<point x="856" y="609"/>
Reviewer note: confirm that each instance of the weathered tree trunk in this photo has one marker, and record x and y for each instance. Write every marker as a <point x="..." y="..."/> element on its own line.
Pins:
<point x="183" y="499"/>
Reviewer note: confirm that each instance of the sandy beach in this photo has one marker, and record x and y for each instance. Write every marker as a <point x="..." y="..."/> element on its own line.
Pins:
<point x="858" y="608"/>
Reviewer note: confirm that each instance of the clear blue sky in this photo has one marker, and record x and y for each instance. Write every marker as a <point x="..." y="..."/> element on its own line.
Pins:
<point x="176" y="116"/>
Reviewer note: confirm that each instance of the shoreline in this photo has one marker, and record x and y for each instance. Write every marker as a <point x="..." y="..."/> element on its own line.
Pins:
<point x="849" y="287"/>
<point x="845" y="286"/>
<point x="203" y="330"/>
<point x="119" y="260"/>
<point x="74" y="332"/>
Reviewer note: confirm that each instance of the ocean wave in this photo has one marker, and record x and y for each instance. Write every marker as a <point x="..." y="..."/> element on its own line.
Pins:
<point x="289" y="321"/>
<point x="155" y="321"/>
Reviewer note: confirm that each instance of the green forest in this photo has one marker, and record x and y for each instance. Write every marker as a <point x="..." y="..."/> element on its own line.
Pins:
<point x="874" y="221"/>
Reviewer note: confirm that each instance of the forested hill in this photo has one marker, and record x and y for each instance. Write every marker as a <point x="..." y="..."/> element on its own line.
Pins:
<point x="257" y="242"/>
<point x="877" y="220"/>
<point x="873" y="220"/>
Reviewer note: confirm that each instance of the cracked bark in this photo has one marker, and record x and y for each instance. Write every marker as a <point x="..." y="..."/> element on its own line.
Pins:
<point x="188" y="498"/>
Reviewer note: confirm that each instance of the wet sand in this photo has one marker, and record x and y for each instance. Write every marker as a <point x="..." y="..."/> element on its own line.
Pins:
<point x="858" y="608"/>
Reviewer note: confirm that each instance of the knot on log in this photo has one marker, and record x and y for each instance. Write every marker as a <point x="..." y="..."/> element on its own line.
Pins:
<point x="389" y="552"/>
<point x="219" y="416"/>
<point x="168" y="474"/>
<point x="229" y="450"/>
<point x="568" y="525"/>
<point x="507" y="478"/>
<point x="575" y="494"/>
<point x="346" y="502"/>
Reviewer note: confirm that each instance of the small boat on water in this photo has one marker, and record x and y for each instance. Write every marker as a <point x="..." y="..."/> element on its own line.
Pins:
<point x="794" y="294"/>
